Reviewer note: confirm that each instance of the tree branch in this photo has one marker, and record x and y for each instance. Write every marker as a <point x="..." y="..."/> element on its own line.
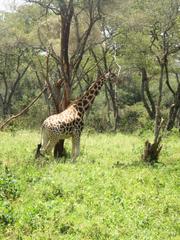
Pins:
<point x="5" y="123"/>
<point x="19" y="77"/>
<point x="167" y="77"/>
<point x="46" y="6"/>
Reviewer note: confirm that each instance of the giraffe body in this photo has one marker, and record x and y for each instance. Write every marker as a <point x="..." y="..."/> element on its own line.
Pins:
<point x="65" y="123"/>
<point x="69" y="123"/>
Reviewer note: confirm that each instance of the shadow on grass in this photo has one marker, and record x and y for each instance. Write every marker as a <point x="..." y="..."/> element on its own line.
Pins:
<point x="43" y="160"/>
<point x="46" y="160"/>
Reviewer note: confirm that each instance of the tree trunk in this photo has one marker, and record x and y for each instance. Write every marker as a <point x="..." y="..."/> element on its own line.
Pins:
<point x="113" y="96"/>
<point x="66" y="18"/>
<point x="174" y="110"/>
<point x="6" y="109"/>
<point x="152" y="151"/>
<point x="59" y="150"/>
<point x="149" y="105"/>
<point x="172" y="117"/>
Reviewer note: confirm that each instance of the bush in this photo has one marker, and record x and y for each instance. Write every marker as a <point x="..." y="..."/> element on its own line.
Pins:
<point x="135" y="118"/>
<point x="6" y="214"/>
<point x="9" y="188"/>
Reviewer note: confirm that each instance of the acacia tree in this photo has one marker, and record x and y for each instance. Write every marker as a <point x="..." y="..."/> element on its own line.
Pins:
<point x="164" y="43"/>
<point x="148" y="40"/>
<point x="69" y="13"/>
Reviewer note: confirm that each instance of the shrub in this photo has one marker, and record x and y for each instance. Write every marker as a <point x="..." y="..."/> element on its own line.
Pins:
<point x="9" y="187"/>
<point x="135" y="118"/>
<point x="6" y="214"/>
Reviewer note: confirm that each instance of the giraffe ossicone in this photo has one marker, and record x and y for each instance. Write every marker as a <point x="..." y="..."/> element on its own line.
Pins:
<point x="69" y="123"/>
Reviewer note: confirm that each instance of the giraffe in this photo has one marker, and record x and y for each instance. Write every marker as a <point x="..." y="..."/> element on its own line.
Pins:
<point x="69" y="123"/>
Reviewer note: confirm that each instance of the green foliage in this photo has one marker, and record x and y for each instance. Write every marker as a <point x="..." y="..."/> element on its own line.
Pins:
<point x="135" y="118"/>
<point x="107" y="194"/>
<point x="9" y="191"/>
<point x="128" y="27"/>
<point x="9" y="187"/>
<point x="33" y="119"/>
<point x="6" y="214"/>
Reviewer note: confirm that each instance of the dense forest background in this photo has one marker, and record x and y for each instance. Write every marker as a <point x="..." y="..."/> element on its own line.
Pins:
<point x="65" y="45"/>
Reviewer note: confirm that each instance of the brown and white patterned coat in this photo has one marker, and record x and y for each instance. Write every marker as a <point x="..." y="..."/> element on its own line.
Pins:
<point x="69" y="123"/>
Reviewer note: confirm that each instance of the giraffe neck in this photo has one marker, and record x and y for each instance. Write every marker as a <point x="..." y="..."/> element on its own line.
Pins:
<point x="88" y="97"/>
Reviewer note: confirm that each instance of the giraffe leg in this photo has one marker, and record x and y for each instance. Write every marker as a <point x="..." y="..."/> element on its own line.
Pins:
<point x="47" y="143"/>
<point x="44" y="139"/>
<point x="48" y="148"/>
<point x="75" y="147"/>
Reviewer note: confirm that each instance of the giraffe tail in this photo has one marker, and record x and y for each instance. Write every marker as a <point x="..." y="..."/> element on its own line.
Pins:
<point x="38" y="152"/>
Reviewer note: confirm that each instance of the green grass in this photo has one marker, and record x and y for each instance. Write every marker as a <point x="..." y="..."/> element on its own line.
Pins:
<point x="107" y="194"/>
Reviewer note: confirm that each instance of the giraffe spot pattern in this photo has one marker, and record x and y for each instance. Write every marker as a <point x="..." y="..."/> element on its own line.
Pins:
<point x="64" y="123"/>
<point x="69" y="123"/>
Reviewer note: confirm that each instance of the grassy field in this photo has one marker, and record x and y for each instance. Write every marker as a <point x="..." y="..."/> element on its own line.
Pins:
<point x="107" y="194"/>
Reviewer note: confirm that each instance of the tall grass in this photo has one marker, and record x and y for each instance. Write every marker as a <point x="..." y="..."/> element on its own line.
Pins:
<point x="107" y="194"/>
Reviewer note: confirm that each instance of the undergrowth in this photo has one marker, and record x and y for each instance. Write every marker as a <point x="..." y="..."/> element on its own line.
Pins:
<point x="107" y="194"/>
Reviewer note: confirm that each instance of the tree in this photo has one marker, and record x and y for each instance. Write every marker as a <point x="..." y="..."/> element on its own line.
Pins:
<point x="163" y="43"/>
<point x="149" y="37"/>
<point x="12" y="71"/>
<point x="14" y="62"/>
<point x="69" y="12"/>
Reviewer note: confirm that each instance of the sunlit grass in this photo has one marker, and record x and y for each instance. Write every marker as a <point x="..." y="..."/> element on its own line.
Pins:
<point x="107" y="194"/>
